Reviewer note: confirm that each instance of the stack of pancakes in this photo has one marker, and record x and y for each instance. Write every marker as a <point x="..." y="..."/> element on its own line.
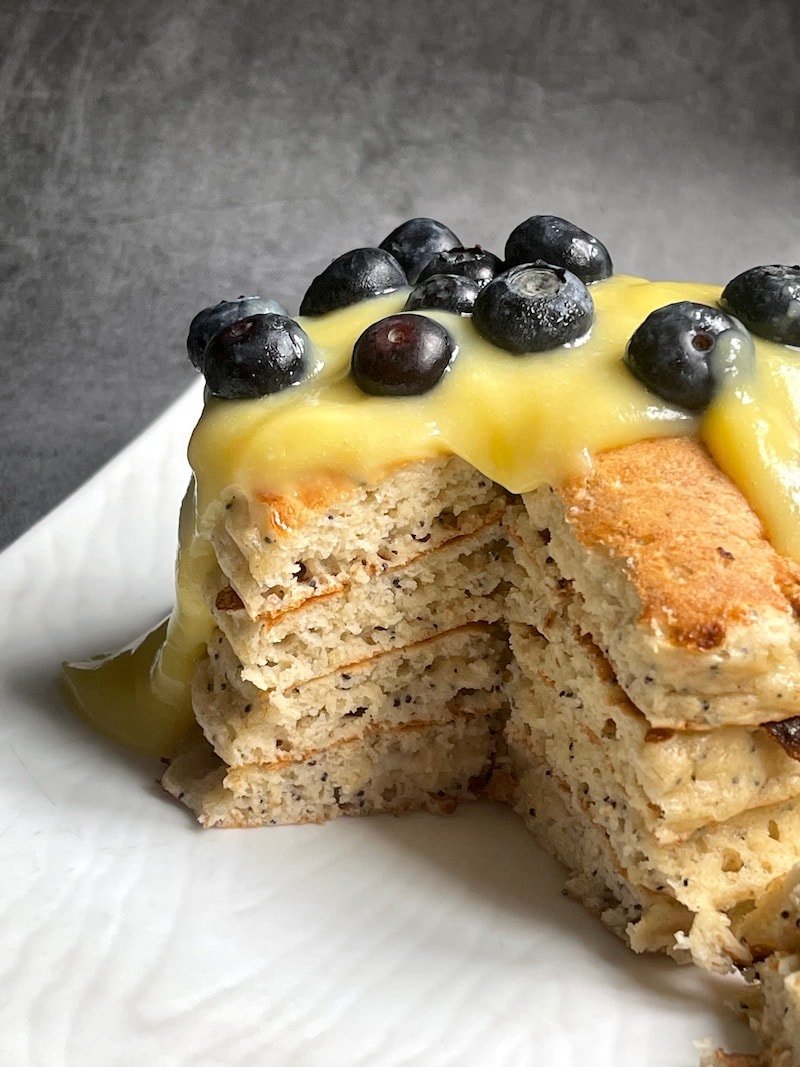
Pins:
<point x="358" y="659"/>
<point x="655" y="636"/>
<point x="616" y="657"/>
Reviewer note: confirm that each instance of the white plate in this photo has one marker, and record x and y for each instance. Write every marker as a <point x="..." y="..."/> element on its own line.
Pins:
<point x="129" y="936"/>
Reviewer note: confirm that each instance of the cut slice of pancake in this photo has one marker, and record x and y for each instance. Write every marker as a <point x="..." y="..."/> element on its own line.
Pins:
<point x="440" y="589"/>
<point x="415" y="766"/>
<point x="279" y="551"/>
<point x="375" y="670"/>
<point x="248" y="725"/>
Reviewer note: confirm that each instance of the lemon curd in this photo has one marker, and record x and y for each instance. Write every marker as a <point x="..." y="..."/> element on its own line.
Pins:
<point x="521" y="420"/>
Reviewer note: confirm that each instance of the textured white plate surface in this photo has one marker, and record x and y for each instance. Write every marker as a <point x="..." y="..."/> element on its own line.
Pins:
<point x="129" y="936"/>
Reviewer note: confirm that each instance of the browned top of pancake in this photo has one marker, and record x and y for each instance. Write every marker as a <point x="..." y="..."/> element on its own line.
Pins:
<point x="285" y="513"/>
<point x="694" y="550"/>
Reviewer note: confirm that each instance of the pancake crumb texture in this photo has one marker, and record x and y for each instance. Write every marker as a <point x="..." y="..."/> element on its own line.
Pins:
<point x="775" y="1013"/>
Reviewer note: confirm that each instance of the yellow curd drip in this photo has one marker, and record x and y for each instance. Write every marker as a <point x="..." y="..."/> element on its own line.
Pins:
<point x="521" y="420"/>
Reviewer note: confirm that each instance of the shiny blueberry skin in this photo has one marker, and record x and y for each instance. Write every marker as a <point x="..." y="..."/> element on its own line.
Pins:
<point x="672" y="352"/>
<point x="213" y="319"/>
<point x="444" y="292"/>
<point x="401" y="355"/>
<point x="554" y="240"/>
<point x="255" y="356"/>
<point x="415" y="242"/>
<point x="767" y="300"/>
<point x="533" y="307"/>
<point x="475" y="263"/>
<point x="356" y="275"/>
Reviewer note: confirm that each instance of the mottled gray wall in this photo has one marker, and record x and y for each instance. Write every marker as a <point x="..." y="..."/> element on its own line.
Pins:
<point x="161" y="154"/>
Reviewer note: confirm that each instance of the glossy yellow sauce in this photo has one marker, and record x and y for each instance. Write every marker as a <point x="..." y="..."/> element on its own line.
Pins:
<point x="521" y="420"/>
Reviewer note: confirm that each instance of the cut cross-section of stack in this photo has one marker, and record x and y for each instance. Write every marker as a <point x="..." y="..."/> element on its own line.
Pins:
<point x="357" y="662"/>
<point x="616" y="657"/>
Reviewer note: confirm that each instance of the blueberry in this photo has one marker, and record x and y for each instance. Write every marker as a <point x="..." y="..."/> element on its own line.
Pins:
<point x="444" y="292"/>
<point x="414" y="243"/>
<point x="352" y="277"/>
<point x="255" y="356"/>
<point x="554" y="240"/>
<point x="475" y="263"/>
<point x="401" y="355"/>
<point x="533" y="307"/>
<point x="672" y="352"/>
<point x="211" y="320"/>
<point x="767" y="300"/>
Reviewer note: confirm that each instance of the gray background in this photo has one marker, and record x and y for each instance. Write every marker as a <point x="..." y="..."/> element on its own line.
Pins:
<point x="161" y="155"/>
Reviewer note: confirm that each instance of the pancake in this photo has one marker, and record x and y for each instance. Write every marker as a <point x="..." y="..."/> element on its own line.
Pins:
<point x="410" y="767"/>
<point x="246" y="724"/>
<point x="776" y="1014"/>
<point x="539" y="541"/>
<point x="278" y="551"/>
<point x="679" y="586"/>
<point x="538" y="613"/>
<point x="540" y="545"/>
<point x="771" y="1005"/>
<point x="439" y="589"/>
